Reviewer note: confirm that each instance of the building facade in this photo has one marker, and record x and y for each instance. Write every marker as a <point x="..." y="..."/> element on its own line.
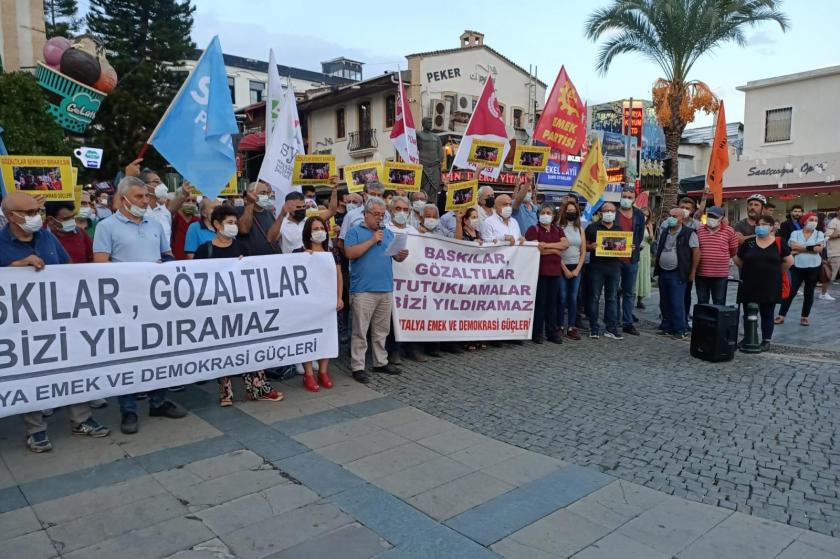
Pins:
<point x="22" y="33"/>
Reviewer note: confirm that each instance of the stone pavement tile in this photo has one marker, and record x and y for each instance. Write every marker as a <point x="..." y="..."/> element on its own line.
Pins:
<point x="6" y="477"/>
<point x="373" y="406"/>
<point x="176" y="479"/>
<point x="453" y="440"/>
<point x="82" y="480"/>
<point x="441" y="541"/>
<point x="398" y="416"/>
<point x="353" y="541"/>
<point x="108" y="496"/>
<point x="232" y="421"/>
<point x="272" y="445"/>
<point x="226" y="488"/>
<point x="618" y="502"/>
<point x="100" y="525"/>
<point x="523" y="468"/>
<point x="512" y="511"/>
<point x="459" y="495"/>
<point x="270" y="536"/>
<point x="486" y="454"/>
<point x="175" y="457"/>
<point x="35" y="545"/>
<point x="742" y="536"/>
<point x="671" y="526"/>
<point x="423" y="428"/>
<point x="11" y="499"/>
<point x="239" y="513"/>
<point x="178" y="432"/>
<point x="17" y="523"/>
<point x="560" y="535"/>
<point x="312" y="422"/>
<point x="154" y="542"/>
<point x="799" y="550"/>
<point x="391" y="461"/>
<point x="823" y="543"/>
<point x="417" y="479"/>
<point x="393" y="554"/>
<point x="289" y="408"/>
<point x="341" y="395"/>
<point x="211" y="549"/>
<point x="225" y="464"/>
<point x="511" y="549"/>
<point x="336" y="433"/>
<point x="366" y="445"/>
<point x="383" y="513"/>
<point x="319" y="474"/>
<point x="619" y="546"/>
<point x="71" y="453"/>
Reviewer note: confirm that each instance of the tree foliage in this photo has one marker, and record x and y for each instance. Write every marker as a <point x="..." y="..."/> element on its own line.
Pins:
<point x="27" y="127"/>
<point x="674" y="34"/>
<point x="60" y="18"/>
<point x="145" y="40"/>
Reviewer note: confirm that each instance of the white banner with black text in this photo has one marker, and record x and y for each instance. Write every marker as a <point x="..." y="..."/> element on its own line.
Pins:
<point x="449" y="290"/>
<point x="78" y="332"/>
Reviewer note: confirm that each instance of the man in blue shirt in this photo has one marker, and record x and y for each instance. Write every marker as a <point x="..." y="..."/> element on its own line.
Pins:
<point x="524" y="209"/>
<point x="371" y="284"/>
<point x="23" y="242"/>
<point x="130" y="236"/>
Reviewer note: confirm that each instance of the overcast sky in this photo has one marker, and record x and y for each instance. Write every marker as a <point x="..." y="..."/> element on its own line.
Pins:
<point x="380" y="33"/>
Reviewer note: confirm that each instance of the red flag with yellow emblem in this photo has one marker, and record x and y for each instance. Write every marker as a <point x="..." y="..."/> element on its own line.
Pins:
<point x="563" y="122"/>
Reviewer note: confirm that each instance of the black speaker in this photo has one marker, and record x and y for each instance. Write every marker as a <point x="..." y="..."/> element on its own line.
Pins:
<point x="714" y="332"/>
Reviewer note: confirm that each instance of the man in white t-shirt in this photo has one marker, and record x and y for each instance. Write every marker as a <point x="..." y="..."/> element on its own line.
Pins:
<point x="293" y="217"/>
<point x="500" y="226"/>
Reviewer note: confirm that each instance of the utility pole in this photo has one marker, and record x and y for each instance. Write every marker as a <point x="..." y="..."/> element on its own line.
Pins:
<point x="628" y="179"/>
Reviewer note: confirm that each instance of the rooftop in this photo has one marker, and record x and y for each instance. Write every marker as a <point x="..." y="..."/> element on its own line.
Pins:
<point x="706" y="134"/>
<point x="262" y="66"/>
<point x="462" y="49"/>
<point x="327" y="96"/>
<point x="791" y="78"/>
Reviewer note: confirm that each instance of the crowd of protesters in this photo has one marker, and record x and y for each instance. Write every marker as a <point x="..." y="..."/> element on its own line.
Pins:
<point x="143" y="221"/>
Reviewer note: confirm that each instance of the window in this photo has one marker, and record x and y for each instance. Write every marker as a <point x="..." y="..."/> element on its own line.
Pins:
<point x="257" y="89"/>
<point x="777" y="125"/>
<point x="390" y="110"/>
<point x="340" y="130"/>
<point x="232" y="88"/>
<point x="517" y="118"/>
<point x="364" y="116"/>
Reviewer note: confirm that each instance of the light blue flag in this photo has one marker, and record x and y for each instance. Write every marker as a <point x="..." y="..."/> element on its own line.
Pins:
<point x="591" y="209"/>
<point x="195" y="133"/>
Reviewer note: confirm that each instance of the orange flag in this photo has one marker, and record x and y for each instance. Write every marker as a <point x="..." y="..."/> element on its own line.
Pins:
<point x="720" y="158"/>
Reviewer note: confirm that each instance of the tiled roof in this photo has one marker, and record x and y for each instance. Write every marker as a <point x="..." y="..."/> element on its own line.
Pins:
<point x="459" y="49"/>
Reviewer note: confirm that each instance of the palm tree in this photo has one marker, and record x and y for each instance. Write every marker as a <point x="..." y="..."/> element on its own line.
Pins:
<point x="675" y="34"/>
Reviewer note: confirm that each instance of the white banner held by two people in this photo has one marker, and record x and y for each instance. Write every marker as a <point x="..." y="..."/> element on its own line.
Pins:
<point x="78" y="332"/>
<point x="450" y="290"/>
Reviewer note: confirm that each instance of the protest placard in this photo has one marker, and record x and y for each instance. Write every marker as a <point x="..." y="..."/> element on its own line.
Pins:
<point x="461" y="195"/>
<point x="402" y="176"/>
<point x="359" y="174"/>
<point x="313" y="169"/>
<point x="51" y="177"/>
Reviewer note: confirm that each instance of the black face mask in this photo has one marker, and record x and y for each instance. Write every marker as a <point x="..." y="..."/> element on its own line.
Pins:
<point x="299" y="215"/>
<point x="489" y="202"/>
<point x="571" y="216"/>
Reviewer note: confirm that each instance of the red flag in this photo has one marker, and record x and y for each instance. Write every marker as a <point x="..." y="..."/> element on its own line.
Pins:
<point x="403" y="133"/>
<point x="563" y="122"/>
<point x="642" y="199"/>
<point x="720" y="158"/>
<point x="486" y="123"/>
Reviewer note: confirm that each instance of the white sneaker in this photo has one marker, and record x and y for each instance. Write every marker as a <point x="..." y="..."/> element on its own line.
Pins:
<point x="826" y="297"/>
<point x="299" y="368"/>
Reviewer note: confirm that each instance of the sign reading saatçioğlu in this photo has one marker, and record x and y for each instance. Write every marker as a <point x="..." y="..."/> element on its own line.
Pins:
<point x="78" y="332"/>
<point x="450" y="290"/>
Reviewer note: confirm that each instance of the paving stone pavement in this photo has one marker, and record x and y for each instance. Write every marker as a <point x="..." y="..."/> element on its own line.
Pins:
<point x="353" y="473"/>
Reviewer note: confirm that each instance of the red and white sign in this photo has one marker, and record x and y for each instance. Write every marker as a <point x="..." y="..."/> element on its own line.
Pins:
<point x="486" y="123"/>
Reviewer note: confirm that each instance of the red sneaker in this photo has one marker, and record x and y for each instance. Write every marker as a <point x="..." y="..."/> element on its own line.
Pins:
<point x="572" y="334"/>
<point x="325" y="380"/>
<point x="309" y="383"/>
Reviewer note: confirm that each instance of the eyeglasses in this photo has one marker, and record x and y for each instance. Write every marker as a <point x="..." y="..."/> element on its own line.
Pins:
<point x="28" y="213"/>
<point x="377" y="214"/>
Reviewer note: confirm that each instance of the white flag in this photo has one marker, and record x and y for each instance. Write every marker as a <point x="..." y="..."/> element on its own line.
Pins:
<point x="274" y="97"/>
<point x="285" y="142"/>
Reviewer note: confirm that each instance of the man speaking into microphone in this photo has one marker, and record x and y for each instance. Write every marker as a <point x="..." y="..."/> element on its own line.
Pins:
<point x="371" y="284"/>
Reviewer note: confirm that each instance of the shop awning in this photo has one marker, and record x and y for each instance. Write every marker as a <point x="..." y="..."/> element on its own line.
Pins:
<point x="772" y="190"/>
<point x="252" y="142"/>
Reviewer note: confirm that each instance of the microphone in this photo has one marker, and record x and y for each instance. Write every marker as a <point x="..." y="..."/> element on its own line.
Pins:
<point x="381" y="228"/>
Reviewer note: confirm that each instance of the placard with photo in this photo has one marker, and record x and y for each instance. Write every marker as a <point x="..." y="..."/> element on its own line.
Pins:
<point x="313" y="169"/>
<point x="487" y="153"/>
<point x="461" y="195"/>
<point x="358" y="175"/>
<point x="531" y="159"/>
<point x="51" y="177"/>
<point x="402" y="176"/>
<point x="614" y="244"/>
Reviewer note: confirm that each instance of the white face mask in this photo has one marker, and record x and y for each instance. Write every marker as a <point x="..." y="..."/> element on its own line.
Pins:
<point x="85" y="212"/>
<point x="400" y="218"/>
<point x="474" y="222"/>
<point x="264" y="201"/>
<point x="546" y="219"/>
<point x="418" y="205"/>
<point x="430" y="223"/>
<point x="136" y="211"/>
<point x="161" y="191"/>
<point x="230" y="230"/>
<point x="32" y="223"/>
<point x="506" y="211"/>
<point x="103" y="202"/>
<point x="238" y="202"/>
<point x="712" y="222"/>
<point x="68" y="226"/>
<point x="810" y="225"/>
<point x="626" y="203"/>
<point x="608" y="217"/>
<point x="319" y="236"/>
<point x="351" y="206"/>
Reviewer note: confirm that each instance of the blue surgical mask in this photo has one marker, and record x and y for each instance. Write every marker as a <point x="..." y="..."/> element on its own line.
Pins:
<point x="672" y="221"/>
<point x="762" y="230"/>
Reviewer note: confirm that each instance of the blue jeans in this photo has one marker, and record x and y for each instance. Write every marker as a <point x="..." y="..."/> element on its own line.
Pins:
<point x="606" y="279"/>
<point x="128" y="402"/>
<point x="545" y="308"/>
<point x="567" y="300"/>
<point x="628" y="291"/>
<point x="714" y="287"/>
<point x="672" y="298"/>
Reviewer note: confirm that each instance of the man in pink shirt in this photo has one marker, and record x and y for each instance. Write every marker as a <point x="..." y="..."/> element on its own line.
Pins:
<point x="718" y="244"/>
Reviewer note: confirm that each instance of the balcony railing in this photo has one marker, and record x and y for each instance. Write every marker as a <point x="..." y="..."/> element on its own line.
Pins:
<point x="363" y="139"/>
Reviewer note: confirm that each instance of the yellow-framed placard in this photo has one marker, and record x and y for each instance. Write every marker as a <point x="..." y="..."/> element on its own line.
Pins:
<point x="489" y="154"/>
<point x="313" y="169"/>
<point x="358" y="175"/>
<point x="461" y="195"/>
<point x="232" y="187"/>
<point x="51" y="177"/>
<point x="402" y="176"/>
<point x="531" y="159"/>
<point x="614" y="244"/>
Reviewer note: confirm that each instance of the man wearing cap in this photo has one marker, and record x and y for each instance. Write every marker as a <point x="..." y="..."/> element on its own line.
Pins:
<point x="745" y="229"/>
<point x="718" y="244"/>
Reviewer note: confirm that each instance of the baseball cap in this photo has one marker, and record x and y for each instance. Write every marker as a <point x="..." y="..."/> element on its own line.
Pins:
<point x="715" y="211"/>
<point x="758" y="198"/>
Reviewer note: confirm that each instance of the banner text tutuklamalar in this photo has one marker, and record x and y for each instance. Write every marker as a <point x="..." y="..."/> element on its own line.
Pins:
<point x="75" y="333"/>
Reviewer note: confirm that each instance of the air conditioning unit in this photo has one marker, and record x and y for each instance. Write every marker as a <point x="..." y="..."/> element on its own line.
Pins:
<point x="464" y="103"/>
<point x="439" y="111"/>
